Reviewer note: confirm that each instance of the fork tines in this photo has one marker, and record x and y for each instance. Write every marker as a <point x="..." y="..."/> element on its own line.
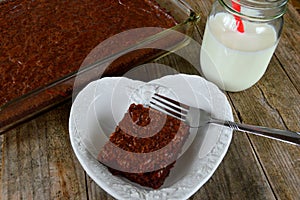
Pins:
<point x="169" y="106"/>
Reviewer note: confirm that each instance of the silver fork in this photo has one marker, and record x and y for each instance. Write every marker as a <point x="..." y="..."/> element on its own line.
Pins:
<point x="196" y="117"/>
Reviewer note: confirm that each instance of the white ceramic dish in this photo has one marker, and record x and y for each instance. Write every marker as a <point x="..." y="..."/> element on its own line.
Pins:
<point x="100" y="106"/>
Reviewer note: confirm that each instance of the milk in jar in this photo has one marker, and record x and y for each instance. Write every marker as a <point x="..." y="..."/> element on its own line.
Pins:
<point x="235" y="60"/>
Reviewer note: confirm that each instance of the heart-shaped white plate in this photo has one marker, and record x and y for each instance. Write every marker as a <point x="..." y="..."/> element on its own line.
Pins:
<point x="101" y="105"/>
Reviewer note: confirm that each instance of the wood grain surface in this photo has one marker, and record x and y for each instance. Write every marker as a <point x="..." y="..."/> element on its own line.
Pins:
<point x="39" y="163"/>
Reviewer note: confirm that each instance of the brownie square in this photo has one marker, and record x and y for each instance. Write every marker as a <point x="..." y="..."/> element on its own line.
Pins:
<point x="144" y="146"/>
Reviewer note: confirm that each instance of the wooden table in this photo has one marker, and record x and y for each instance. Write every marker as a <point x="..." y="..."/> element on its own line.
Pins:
<point x="38" y="161"/>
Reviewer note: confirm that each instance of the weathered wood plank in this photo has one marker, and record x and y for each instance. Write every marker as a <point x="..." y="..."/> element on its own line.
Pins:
<point x="38" y="162"/>
<point x="288" y="50"/>
<point x="274" y="102"/>
<point x="296" y="4"/>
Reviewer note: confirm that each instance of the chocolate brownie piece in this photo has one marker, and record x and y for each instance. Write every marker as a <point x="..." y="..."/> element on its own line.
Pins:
<point x="144" y="146"/>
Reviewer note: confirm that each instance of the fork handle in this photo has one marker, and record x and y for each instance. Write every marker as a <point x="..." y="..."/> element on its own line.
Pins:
<point x="277" y="134"/>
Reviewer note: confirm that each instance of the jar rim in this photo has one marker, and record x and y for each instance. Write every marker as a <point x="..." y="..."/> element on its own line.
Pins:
<point x="255" y="10"/>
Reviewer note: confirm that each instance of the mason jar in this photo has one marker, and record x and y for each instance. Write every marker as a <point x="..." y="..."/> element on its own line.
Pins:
<point x="239" y="41"/>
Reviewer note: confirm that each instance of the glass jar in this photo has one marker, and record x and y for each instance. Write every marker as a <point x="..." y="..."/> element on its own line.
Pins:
<point x="239" y="41"/>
